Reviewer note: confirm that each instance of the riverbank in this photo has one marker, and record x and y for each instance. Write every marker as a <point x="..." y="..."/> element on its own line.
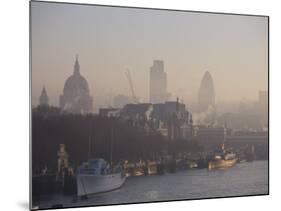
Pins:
<point x="186" y="184"/>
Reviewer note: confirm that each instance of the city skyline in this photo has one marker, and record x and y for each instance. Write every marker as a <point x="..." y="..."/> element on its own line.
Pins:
<point x="146" y="105"/>
<point x="186" y="52"/>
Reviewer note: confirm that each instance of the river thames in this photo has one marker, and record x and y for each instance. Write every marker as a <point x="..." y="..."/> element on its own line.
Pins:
<point x="248" y="178"/>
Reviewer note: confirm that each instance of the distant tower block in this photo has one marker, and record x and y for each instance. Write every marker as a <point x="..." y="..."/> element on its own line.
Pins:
<point x="158" y="83"/>
<point x="76" y="94"/>
<point x="44" y="99"/>
<point x="206" y="93"/>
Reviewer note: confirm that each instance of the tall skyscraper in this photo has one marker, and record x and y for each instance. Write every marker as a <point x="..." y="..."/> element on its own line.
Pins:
<point x="76" y="95"/>
<point x="44" y="99"/>
<point x="158" y="83"/>
<point x="206" y="96"/>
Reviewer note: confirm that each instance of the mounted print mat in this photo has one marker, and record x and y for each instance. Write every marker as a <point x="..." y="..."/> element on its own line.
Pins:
<point x="134" y="105"/>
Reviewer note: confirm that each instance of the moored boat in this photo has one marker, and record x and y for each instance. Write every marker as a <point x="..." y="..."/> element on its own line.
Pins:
<point x="95" y="176"/>
<point x="139" y="169"/>
<point x="222" y="159"/>
<point x="151" y="167"/>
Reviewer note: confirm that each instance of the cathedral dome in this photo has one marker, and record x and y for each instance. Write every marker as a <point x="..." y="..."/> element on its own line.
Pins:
<point x="76" y="85"/>
<point x="76" y="94"/>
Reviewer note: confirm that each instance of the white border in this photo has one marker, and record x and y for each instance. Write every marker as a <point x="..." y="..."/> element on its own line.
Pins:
<point x="14" y="86"/>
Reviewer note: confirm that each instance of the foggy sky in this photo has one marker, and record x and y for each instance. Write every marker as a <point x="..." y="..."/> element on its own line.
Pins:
<point x="109" y="40"/>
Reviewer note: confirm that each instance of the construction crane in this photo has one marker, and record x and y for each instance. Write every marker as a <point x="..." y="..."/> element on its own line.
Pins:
<point x="128" y="75"/>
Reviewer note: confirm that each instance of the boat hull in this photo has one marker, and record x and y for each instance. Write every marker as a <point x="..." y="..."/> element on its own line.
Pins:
<point x="92" y="184"/>
<point x="221" y="163"/>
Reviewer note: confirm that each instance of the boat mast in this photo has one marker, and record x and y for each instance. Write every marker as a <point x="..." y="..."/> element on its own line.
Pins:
<point x="89" y="147"/>
<point x="90" y="143"/>
<point x="111" y="145"/>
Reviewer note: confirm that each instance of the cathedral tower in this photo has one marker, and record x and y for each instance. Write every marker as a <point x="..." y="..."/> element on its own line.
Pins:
<point x="76" y="95"/>
<point x="44" y="99"/>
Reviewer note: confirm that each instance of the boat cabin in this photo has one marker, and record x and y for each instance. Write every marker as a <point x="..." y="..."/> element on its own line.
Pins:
<point x="94" y="167"/>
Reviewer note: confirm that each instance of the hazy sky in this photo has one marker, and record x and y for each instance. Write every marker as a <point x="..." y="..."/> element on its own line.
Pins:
<point x="108" y="40"/>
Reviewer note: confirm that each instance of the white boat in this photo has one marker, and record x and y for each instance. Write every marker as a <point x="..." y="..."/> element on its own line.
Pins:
<point x="95" y="176"/>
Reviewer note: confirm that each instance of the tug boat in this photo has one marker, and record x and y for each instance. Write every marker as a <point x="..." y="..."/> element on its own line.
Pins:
<point x="222" y="159"/>
<point x="96" y="176"/>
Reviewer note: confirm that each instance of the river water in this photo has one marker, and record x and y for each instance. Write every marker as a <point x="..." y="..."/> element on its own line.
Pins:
<point x="249" y="178"/>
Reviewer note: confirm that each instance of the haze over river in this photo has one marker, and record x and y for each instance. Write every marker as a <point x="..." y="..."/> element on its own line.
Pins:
<point x="249" y="178"/>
